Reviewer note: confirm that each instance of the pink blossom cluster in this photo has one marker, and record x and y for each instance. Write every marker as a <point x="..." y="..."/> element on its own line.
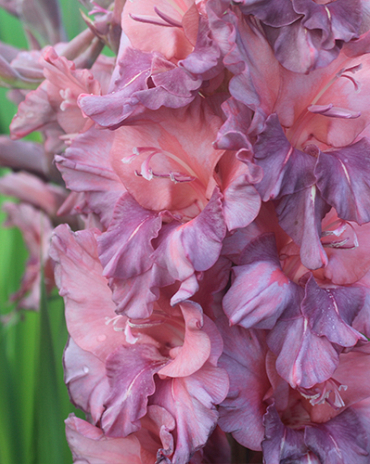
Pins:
<point x="215" y="254"/>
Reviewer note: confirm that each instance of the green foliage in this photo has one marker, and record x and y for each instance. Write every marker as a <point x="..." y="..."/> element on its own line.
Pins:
<point x="34" y="400"/>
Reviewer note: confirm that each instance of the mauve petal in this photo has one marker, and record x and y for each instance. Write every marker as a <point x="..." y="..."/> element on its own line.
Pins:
<point x="283" y="444"/>
<point x="135" y="297"/>
<point x="212" y="284"/>
<point x="300" y="215"/>
<point x="89" y="445"/>
<point x="193" y="246"/>
<point x="244" y="360"/>
<point x="205" y="59"/>
<point x="342" y="177"/>
<point x="339" y="20"/>
<point x="304" y="359"/>
<point x="260" y="291"/>
<point x="85" y="377"/>
<point x="29" y="156"/>
<point x="112" y="109"/>
<point x="202" y="237"/>
<point x="196" y="348"/>
<point x="130" y="371"/>
<point x="125" y="249"/>
<point x="155" y="434"/>
<point x="270" y="12"/>
<point x="342" y="440"/>
<point x="85" y="168"/>
<point x="331" y="311"/>
<point x="233" y="133"/>
<point x="174" y="86"/>
<point x="299" y="51"/>
<point x="85" y="165"/>
<point x="250" y="58"/>
<point x="191" y="400"/>
<point x="286" y="170"/>
<point x="87" y="298"/>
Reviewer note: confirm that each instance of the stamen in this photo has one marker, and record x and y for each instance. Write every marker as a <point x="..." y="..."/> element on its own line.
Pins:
<point x="175" y="177"/>
<point x="338" y="231"/>
<point x="149" y="20"/>
<point x="354" y="82"/>
<point x="168" y="21"/>
<point x="166" y="18"/>
<point x="333" y="111"/>
<point x="148" y="173"/>
<point x="114" y="321"/>
<point x="340" y="244"/>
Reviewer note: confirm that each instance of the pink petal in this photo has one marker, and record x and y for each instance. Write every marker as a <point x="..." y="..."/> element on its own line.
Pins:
<point x="86" y="380"/>
<point x="197" y="345"/>
<point x="89" y="445"/>
<point x="87" y="298"/>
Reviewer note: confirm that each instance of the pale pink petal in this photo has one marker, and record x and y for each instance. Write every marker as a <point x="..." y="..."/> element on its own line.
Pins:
<point x="30" y="189"/>
<point x="89" y="445"/>
<point x="160" y="165"/>
<point x="89" y="306"/>
<point x="85" y="377"/>
<point x="196" y="348"/>
<point x="170" y="41"/>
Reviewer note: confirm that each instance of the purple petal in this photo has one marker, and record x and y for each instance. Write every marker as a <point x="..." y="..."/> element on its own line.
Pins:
<point x="342" y="440"/>
<point x="304" y="359"/>
<point x="193" y="246"/>
<point x="286" y="169"/>
<point x="148" y="80"/>
<point x="283" y="444"/>
<point x="300" y="215"/>
<point x="130" y="371"/>
<point x="260" y="291"/>
<point x="242" y="411"/>
<point x="233" y="133"/>
<point x="111" y="109"/>
<point x="205" y="59"/>
<point x="330" y="312"/>
<point x="125" y="249"/>
<point x="135" y="297"/>
<point x="342" y="177"/>
<point x="339" y="20"/>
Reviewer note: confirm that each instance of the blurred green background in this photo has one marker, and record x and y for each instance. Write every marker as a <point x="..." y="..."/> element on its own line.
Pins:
<point x="33" y="398"/>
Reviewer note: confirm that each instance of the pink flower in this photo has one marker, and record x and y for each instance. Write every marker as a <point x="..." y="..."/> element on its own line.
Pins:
<point x="116" y="367"/>
<point x="326" y="423"/>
